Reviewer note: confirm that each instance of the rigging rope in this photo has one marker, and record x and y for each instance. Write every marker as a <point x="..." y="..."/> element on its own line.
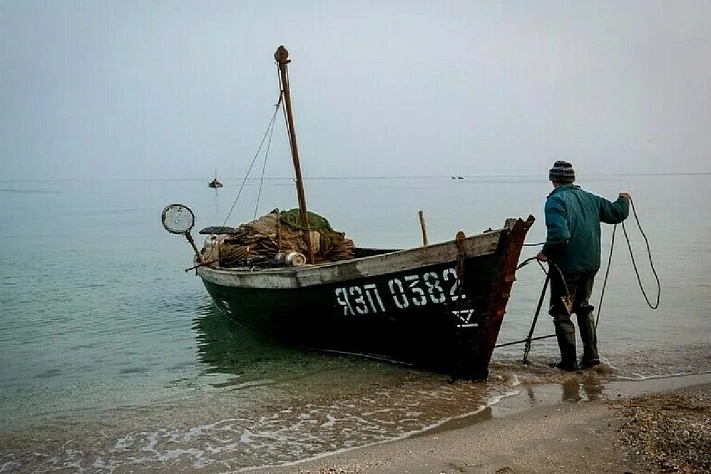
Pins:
<point x="264" y="167"/>
<point x="261" y="144"/>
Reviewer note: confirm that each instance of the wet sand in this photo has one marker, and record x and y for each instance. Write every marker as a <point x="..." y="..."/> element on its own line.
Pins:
<point x="661" y="425"/>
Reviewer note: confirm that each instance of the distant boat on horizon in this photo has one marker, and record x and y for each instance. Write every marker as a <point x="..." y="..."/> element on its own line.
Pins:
<point x="215" y="183"/>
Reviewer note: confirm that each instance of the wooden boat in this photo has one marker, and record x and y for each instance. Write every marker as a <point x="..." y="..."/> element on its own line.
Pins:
<point x="438" y="307"/>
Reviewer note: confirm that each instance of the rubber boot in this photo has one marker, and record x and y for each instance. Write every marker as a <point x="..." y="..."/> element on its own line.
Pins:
<point x="565" y="333"/>
<point x="588" y="333"/>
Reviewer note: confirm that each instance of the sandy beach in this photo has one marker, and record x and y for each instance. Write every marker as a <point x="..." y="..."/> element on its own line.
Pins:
<point x="653" y="426"/>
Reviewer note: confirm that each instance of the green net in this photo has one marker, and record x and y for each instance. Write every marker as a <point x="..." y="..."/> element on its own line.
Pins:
<point x="316" y="222"/>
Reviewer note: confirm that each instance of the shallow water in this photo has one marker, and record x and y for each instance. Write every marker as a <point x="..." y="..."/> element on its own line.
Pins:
<point x="115" y="360"/>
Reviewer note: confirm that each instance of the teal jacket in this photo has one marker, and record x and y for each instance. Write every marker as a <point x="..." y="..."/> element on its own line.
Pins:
<point x="573" y="218"/>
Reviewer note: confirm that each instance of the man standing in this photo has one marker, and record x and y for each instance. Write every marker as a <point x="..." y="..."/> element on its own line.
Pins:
<point x="573" y="218"/>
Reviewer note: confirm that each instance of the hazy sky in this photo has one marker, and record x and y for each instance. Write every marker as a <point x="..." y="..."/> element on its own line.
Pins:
<point x="177" y="89"/>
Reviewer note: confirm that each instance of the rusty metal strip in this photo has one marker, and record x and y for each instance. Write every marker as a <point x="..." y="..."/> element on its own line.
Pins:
<point x="501" y="290"/>
<point x="461" y="255"/>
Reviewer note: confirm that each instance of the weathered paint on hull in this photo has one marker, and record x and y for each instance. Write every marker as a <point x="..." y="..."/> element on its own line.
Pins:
<point x="417" y="316"/>
<point x="414" y="326"/>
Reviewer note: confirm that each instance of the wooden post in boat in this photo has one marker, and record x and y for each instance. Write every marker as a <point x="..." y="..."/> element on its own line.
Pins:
<point x="424" y="229"/>
<point x="195" y="249"/>
<point x="282" y="58"/>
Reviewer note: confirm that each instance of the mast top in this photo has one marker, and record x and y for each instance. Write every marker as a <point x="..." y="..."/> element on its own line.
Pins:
<point x="282" y="55"/>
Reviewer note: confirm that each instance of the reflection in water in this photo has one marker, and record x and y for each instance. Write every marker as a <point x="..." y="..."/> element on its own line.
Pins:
<point x="593" y="387"/>
<point x="571" y="390"/>
<point x="228" y="348"/>
<point x="545" y="385"/>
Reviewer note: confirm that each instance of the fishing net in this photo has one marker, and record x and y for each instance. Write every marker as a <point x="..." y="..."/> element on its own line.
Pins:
<point x="316" y="222"/>
<point x="279" y="232"/>
<point x="177" y="219"/>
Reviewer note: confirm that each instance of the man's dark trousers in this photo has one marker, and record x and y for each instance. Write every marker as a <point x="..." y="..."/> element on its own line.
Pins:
<point x="570" y="294"/>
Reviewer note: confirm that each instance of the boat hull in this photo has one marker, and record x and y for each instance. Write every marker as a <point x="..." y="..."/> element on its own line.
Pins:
<point x="438" y="308"/>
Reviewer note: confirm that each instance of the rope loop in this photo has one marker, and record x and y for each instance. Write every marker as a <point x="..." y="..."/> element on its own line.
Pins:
<point x="654" y="305"/>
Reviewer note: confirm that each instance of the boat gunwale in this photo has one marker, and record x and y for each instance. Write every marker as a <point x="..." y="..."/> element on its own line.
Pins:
<point x="363" y="267"/>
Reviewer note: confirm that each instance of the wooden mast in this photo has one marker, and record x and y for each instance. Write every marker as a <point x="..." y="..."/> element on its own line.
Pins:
<point x="282" y="58"/>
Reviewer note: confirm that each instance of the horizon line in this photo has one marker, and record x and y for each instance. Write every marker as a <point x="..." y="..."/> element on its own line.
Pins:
<point x="290" y="178"/>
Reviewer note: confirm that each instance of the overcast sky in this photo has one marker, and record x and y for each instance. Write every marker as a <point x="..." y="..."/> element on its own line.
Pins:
<point x="177" y="89"/>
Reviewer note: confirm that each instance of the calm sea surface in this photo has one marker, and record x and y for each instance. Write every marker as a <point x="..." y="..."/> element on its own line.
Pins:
<point x="113" y="359"/>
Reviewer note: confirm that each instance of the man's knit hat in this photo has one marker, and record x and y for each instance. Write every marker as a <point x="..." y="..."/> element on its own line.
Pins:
<point x="562" y="172"/>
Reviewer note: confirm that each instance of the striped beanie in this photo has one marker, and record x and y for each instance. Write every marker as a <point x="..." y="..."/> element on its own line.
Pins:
<point x="562" y="172"/>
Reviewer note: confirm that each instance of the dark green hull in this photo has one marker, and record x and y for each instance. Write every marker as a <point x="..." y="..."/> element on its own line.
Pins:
<point x="439" y="309"/>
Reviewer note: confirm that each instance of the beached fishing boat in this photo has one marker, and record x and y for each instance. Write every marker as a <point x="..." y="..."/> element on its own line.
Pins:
<point x="438" y="306"/>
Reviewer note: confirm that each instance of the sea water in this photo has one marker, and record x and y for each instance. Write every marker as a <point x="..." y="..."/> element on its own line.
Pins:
<point x="114" y="359"/>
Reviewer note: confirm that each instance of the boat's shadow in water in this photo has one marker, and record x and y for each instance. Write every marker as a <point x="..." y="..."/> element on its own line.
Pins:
<point x="225" y="347"/>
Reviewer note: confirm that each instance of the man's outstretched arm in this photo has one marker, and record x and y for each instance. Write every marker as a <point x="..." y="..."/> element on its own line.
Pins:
<point x="615" y="212"/>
